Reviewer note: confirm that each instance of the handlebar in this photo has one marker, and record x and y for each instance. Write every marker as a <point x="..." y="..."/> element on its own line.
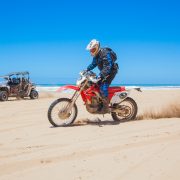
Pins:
<point x="90" y="76"/>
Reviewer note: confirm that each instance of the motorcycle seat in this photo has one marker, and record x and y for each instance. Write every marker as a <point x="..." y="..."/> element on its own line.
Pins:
<point x="115" y="89"/>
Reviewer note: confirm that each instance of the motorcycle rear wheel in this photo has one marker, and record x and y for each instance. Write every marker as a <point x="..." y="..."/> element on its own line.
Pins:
<point x="57" y="117"/>
<point x="130" y="110"/>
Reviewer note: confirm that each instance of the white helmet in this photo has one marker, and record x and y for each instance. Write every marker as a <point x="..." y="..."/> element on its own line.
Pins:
<point x="93" y="47"/>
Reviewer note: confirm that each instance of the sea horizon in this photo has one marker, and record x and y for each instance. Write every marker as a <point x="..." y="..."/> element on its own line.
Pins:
<point x="54" y="87"/>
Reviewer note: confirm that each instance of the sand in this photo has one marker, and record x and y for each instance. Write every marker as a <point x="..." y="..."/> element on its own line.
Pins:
<point x="30" y="148"/>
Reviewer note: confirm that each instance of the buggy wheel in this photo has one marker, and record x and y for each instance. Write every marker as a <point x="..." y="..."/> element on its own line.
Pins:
<point x="3" y="96"/>
<point x="34" y="94"/>
<point x="127" y="110"/>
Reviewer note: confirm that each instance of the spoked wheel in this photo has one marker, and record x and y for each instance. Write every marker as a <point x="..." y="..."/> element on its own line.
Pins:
<point x="126" y="110"/>
<point x="57" y="113"/>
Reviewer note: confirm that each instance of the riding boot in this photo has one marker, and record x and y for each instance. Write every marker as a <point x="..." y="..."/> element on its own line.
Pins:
<point x="105" y="108"/>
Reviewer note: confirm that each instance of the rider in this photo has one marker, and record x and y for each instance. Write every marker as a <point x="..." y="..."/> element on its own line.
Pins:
<point x="108" y="68"/>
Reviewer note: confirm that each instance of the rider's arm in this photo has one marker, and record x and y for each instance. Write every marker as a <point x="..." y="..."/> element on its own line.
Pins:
<point x="92" y="65"/>
<point x="107" y="65"/>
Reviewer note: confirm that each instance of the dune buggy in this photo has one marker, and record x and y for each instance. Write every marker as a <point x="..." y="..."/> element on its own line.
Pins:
<point x="17" y="84"/>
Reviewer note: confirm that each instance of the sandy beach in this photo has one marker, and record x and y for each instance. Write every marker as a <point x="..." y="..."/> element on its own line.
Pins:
<point x="95" y="147"/>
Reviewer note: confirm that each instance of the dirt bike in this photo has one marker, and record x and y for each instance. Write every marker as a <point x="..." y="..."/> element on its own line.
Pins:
<point x="63" y="111"/>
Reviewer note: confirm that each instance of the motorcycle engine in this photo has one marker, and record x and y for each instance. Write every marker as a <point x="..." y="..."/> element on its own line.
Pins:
<point x="94" y="106"/>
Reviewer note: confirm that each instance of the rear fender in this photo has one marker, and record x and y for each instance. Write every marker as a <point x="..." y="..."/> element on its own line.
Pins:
<point x="75" y="88"/>
<point x="119" y="97"/>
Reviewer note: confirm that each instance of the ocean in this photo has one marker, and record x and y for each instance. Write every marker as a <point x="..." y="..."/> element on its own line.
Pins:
<point x="54" y="87"/>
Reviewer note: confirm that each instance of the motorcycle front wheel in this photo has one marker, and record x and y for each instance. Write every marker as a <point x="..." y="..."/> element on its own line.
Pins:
<point x="127" y="110"/>
<point x="57" y="114"/>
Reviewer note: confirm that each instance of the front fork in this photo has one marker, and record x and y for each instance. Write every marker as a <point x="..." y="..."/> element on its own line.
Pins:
<point x="74" y="98"/>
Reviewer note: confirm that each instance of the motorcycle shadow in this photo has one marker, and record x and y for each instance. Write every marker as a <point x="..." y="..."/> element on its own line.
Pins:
<point x="97" y="122"/>
<point x="102" y="123"/>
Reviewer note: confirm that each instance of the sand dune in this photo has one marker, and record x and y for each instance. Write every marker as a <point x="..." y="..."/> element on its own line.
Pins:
<point x="95" y="147"/>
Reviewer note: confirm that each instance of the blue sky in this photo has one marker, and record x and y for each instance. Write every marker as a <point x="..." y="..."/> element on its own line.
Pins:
<point x="48" y="38"/>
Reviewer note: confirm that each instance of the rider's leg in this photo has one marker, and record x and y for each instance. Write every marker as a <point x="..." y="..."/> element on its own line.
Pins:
<point x="111" y="77"/>
<point x="104" y="84"/>
<point x="104" y="90"/>
<point x="104" y="93"/>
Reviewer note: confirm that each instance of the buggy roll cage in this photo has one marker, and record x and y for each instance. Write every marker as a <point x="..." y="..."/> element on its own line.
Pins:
<point x="18" y="73"/>
<point x="8" y="76"/>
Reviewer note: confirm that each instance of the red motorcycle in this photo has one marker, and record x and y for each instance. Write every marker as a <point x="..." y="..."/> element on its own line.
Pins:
<point x="63" y="111"/>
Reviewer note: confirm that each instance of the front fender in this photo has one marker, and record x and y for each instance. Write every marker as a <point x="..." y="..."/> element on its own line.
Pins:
<point x="76" y="88"/>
